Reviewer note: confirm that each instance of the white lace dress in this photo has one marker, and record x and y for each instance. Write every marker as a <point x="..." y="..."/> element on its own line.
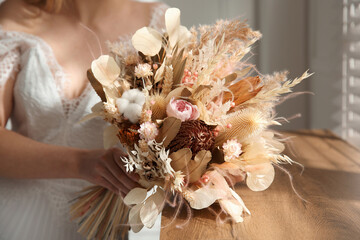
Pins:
<point x="38" y="209"/>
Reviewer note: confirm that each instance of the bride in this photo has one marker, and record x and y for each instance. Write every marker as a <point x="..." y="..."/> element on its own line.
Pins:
<point x="46" y="47"/>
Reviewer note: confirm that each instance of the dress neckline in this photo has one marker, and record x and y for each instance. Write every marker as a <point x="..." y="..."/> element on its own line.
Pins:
<point x="59" y="75"/>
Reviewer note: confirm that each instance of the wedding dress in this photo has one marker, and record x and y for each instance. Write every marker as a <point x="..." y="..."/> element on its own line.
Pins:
<point x="38" y="209"/>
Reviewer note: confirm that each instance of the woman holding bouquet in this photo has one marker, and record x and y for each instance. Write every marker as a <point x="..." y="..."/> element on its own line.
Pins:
<point x="46" y="47"/>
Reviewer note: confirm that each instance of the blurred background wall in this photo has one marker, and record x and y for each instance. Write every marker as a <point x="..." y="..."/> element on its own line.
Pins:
<point x="319" y="35"/>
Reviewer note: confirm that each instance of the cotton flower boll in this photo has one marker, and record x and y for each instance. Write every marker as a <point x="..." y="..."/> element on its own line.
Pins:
<point x="122" y="104"/>
<point x="133" y="112"/>
<point x="130" y="104"/>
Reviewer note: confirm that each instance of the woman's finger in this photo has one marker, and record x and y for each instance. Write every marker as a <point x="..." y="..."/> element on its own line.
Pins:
<point x="105" y="183"/>
<point x="117" y="159"/>
<point x="114" y="181"/>
<point x="119" y="174"/>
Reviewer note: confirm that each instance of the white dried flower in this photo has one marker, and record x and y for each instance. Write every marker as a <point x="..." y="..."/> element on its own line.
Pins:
<point x="130" y="104"/>
<point x="111" y="111"/>
<point x="178" y="181"/>
<point x="148" y="131"/>
<point x="232" y="149"/>
<point x="143" y="70"/>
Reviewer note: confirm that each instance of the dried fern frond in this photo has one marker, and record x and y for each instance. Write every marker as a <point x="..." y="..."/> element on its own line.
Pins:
<point x="275" y="86"/>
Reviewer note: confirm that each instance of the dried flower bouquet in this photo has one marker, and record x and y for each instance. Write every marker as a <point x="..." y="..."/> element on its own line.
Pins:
<point x="192" y="116"/>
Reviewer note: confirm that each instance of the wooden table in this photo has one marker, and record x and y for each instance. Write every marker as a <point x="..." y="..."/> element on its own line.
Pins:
<point x="330" y="184"/>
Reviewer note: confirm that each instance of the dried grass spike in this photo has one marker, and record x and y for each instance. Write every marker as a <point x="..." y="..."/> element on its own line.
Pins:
<point x="241" y="125"/>
<point x="168" y="81"/>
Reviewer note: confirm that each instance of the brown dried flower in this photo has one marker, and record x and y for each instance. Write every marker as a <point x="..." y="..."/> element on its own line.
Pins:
<point x="193" y="134"/>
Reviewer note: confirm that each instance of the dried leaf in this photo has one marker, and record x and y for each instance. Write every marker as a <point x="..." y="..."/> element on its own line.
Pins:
<point x="135" y="196"/>
<point x="201" y="90"/>
<point x="184" y="36"/>
<point x="147" y="40"/>
<point x="198" y="166"/>
<point x="231" y="77"/>
<point x="134" y="218"/>
<point x="111" y="94"/>
<point x="243" y="90"/>
<point x="178" y="63"/>
<point x="261" y="179"/>
<point x="149" y="213"/>
<point x="203" y="197"/>
<point x="105" y="70"/>
<point x="152" y="208"/>
<point x="96" y="85"/>
<point x="172" y="22"/>
<point x="180" y="159"/>
<point x="159" y="75"/>
<point x="243" y="72"/>
<point x="110" y="136"/>
<point x="178" y="92"/>
<point x="97" y="108"/>
<point x="168" y="130"/>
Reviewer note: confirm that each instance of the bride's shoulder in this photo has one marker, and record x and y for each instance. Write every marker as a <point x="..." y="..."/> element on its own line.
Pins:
<point x="15" y="15"/>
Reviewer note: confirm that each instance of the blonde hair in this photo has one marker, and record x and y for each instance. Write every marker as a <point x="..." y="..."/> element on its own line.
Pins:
<point x="47" y="5"/>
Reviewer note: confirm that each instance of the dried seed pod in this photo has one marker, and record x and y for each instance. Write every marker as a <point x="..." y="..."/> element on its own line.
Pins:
<point x="193" y="134"/>
<point x="244" y="124"/>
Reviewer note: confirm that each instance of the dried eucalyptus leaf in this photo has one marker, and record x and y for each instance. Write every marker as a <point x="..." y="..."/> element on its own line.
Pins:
<point x="168" y="130"/>
<point x="198" y="166"/>
<point x="134" y="218"/>
<point x="203" y="198"/>
<point x="135" y="196"/>
<point x="105" y="70"/>
<point x="147" y="40"/>
<point x="149" y="213"/>
<point x="180" y="159"/>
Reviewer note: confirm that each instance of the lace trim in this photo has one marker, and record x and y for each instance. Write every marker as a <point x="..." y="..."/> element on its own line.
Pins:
<point x="9" y="65"/>
<point x="59" y="76"/>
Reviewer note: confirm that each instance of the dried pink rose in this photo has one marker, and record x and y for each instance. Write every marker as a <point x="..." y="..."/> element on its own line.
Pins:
<point x="182" y="110"/>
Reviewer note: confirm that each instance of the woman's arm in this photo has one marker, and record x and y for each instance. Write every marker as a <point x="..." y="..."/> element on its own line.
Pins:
<point x="22" y="157"/>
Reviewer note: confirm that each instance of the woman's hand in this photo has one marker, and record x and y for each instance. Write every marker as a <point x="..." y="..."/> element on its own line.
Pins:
<point x="105" y="168"/>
